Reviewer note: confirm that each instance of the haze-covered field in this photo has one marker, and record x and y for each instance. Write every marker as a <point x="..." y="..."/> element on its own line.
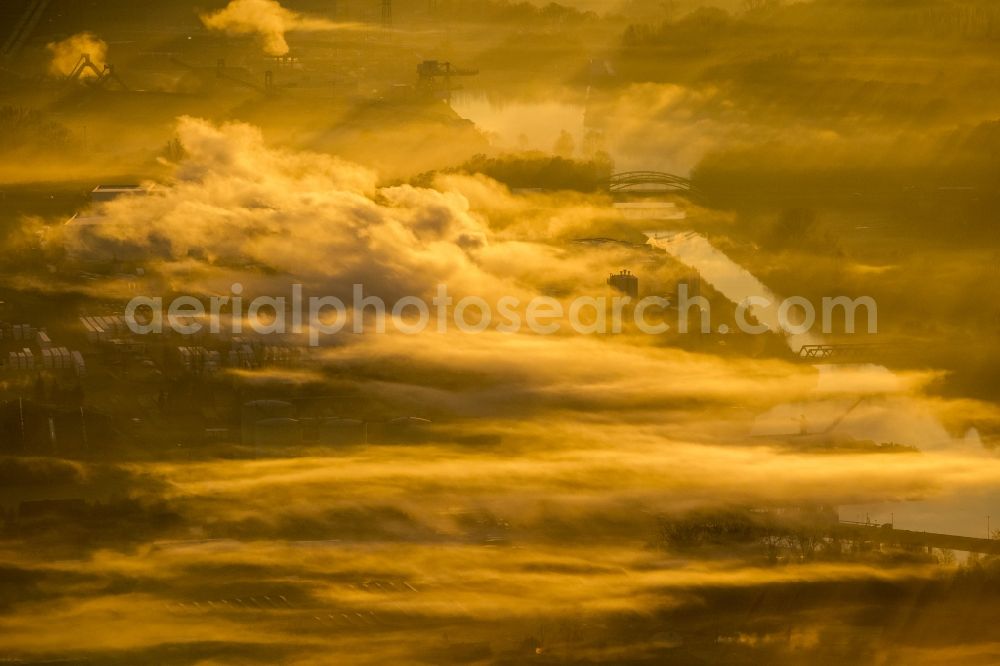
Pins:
<point x="513" y="474"/>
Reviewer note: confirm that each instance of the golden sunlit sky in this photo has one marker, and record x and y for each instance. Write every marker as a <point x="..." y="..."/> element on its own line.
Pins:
<point x="496" y="332"/>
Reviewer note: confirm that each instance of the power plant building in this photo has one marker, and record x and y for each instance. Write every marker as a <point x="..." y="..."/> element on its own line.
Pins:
<point x="625" y="282"/>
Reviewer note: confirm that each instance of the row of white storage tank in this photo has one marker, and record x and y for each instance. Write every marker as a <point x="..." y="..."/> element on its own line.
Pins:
<point x="274" y="355"/>
<point x="199" y="358"/>
<point x="193" y="358"/>
<point x="18" y="332"/>
<point x="102" y="328"/>
<point x="242" y="357"/>
<point x="26" y="333"/>
<point x="57" y="358"/>
<point x="60" y="358"/>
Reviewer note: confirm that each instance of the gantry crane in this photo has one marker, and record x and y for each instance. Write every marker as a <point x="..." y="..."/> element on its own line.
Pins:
<point x="430" y="72"/>
<point x="101" y="76"/>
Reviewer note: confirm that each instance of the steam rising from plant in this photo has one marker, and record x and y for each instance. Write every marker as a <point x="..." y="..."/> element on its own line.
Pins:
<point x="265" y="18"/>
<point x="66" y="53"/>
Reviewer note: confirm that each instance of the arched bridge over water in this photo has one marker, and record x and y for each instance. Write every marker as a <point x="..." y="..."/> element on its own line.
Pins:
<point x="648" y="182"/>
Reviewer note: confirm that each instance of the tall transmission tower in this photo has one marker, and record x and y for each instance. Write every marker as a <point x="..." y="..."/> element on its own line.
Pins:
<point x="386" y="13"/>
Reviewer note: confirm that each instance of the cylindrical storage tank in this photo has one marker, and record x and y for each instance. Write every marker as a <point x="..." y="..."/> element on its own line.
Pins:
<point x="406" y="429"/>
<point x="277" y="432"/>
<point x="341" y="432"/>
<point x="259" y="410"/>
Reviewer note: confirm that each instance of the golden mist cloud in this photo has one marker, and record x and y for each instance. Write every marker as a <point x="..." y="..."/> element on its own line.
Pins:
<point x="66" y="53"/>
<point x="265" y="18"/>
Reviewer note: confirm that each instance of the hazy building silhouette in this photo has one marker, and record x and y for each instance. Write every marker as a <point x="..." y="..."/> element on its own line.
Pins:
<point x="625" y="282"/>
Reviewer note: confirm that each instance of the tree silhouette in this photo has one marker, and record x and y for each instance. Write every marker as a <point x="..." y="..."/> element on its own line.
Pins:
<point x="21" y="127"/>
